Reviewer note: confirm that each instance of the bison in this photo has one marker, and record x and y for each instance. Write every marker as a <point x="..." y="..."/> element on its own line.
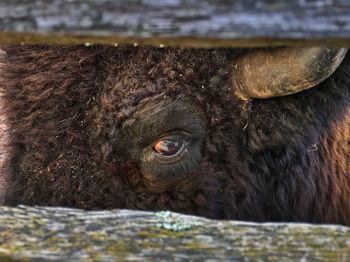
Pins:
<point x="250" y="134"/>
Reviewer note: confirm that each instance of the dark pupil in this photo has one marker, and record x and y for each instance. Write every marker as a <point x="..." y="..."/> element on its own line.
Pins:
<point x="168" y="147"/>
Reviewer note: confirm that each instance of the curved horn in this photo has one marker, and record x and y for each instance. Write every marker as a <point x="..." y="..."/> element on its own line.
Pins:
<point x="284" y="71"/>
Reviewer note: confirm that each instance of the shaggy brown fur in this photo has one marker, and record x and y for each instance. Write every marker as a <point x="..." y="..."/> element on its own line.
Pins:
<point x="80" y="118"/>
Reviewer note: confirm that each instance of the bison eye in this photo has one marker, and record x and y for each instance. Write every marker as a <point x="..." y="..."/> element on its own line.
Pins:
<point x="172" y="156"/>
<point x="169" y="146"/>
<point x="168" y="149"/>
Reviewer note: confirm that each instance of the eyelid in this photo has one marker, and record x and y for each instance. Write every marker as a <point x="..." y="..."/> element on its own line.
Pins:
<point x="173" y="133"/>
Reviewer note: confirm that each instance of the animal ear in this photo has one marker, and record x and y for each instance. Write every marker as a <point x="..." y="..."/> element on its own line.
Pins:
<point x="266" y="73"/>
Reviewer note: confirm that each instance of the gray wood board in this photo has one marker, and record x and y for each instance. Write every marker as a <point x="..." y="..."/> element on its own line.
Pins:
<point x="176" y="22"/>
<point x="39" y="233"/>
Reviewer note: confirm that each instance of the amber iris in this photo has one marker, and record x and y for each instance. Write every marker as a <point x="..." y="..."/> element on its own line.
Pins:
<point x="168" y="146"/>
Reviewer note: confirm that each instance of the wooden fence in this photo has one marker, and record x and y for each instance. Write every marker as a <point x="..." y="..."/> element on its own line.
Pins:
<point x="38" y="233"/>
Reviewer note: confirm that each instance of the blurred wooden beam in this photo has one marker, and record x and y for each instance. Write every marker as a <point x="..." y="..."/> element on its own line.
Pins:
<point x="201" y="23"/>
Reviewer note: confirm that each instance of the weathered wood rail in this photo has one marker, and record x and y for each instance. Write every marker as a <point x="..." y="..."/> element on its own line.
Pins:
<point x="176" y="22"/>
<point x="56" y="234"/>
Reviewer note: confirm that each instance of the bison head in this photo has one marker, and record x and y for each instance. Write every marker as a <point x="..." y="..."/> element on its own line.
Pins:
<point x="188" y="130"/>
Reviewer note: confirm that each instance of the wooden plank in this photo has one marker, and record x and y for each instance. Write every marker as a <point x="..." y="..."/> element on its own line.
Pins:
<point x="28" y="233"/>
<point x="176" y="22"/>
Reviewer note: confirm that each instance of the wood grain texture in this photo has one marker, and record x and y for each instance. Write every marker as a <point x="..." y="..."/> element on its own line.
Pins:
<point x="176" y="22"/>
<point x="58" y="234"/>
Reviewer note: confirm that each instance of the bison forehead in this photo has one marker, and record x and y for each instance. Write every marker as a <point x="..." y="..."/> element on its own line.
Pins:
<point x="148" y="71"/>
<point x="134" y="76"/>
